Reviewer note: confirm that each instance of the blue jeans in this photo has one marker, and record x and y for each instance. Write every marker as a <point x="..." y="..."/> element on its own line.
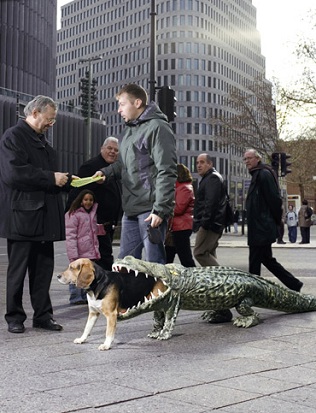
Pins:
<point x="134" y="238"/>
<point x="292" y="234"/>
<point x="77" y="295"/>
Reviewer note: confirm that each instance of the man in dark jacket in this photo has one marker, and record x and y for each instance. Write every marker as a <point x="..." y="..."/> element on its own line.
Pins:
<point x="264" y="214"/>
<point x="209" y="212"/>
<point x="32" y="213"/>
<point x="108" y="196"/>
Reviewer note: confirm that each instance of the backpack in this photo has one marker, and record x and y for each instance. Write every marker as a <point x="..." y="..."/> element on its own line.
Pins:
<point x="308" y="212"/>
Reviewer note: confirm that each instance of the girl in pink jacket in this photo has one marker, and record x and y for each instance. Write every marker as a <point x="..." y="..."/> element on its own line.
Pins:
<point x="82" y="230"/>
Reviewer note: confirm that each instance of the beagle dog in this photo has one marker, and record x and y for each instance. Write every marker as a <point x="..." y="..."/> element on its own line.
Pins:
<point x="109" y="293"/>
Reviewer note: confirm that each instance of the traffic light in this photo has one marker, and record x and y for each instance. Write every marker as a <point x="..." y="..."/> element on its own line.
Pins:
<point x="94" y="98"/>
<point x="85" y="96"/>
<point x="166" y="102"/>
<point x="275" y="162"/>
<point x="285" y="164"/>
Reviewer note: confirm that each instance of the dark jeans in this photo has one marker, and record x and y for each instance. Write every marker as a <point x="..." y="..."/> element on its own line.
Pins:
<point x="36" y="259"/>
<point x="182" y="247"/>
<point x="292" y="234"/>
<point x="263" y="255"/>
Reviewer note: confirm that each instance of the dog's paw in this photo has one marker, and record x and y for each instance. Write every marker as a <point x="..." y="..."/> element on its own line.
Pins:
<point x="103" y="347"/>
<point x="79" y="340"/>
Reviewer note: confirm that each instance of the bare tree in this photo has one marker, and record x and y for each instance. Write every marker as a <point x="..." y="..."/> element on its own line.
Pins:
<point x="248" y="117"/>
<point x="301" y="96"/>
<point x="303" y="166"/>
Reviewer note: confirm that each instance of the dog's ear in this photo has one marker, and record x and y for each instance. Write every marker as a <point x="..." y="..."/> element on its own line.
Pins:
<point x="85" y="274"/>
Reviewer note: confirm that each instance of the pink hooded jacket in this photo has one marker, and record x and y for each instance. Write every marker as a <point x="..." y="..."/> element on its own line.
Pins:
<point x="81" y="234"/>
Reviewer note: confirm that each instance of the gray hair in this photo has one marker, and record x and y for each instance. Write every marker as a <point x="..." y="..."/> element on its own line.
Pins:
<point x="110" y="139"/>
<point x="40" y="103"/>
<point x="254" y="152"/>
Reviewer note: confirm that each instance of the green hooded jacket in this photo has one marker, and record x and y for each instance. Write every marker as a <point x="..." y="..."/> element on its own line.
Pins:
<point x="147" y="165"/>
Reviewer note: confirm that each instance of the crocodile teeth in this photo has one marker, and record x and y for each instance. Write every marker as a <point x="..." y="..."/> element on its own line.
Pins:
<point x="156" y="279"/>
<point x="164" y="283"/>
<point x="146" y="275"/>
<point x="152" y="295"/>
<point x="146" y="299"/>
<point x="159" y="292"/>
<point x="139" y="303"/>
<point x="136" y="272"/>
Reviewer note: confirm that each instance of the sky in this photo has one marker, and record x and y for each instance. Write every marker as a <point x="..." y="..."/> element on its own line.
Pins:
<point x="281" y="23"/>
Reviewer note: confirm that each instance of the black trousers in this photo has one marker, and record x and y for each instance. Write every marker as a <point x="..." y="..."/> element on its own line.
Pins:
<point x="36" y="259"/>
<point x="305" y="234"/>
<point x="263" y="255"/>
<point x="106" y="250"/>
<point x="182" y="247"/>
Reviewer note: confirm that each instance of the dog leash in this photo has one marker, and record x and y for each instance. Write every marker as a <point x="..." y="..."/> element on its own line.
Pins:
<point x="154" y="236"/>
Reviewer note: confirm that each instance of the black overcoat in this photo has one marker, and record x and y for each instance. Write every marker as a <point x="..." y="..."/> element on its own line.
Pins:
<point x="264" y="208"/>
<point x="31" y="203"/>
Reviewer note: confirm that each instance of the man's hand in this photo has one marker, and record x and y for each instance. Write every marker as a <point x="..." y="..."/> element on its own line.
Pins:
<point x="155" y="220"/>
<point x="61" y="178"/>
<point x="99" y="173"/>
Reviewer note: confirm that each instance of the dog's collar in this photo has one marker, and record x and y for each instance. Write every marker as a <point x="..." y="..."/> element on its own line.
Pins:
<point x="98" y="285"/>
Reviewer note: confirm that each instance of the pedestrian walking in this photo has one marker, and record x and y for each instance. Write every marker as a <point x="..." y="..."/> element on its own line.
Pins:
<point x="209" y="211"/>
<point x="236" y="220"/>
<point x="264" y="214"/>
<point x="181" y="223"/>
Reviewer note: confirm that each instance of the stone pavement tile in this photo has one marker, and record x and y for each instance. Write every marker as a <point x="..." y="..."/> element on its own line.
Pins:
<point x="295" y="374"/>
<point x="269" y="404"/>
<point x="258" y="383"/>
<point x="210" y="396"/>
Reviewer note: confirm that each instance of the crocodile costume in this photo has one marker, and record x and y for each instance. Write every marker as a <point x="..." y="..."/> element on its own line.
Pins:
<point x="209" y="289"/>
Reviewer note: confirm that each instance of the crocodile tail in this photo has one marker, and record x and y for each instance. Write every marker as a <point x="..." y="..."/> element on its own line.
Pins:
<point x="283" y="299"/>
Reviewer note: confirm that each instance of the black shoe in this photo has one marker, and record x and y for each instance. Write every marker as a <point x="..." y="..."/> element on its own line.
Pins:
<point x="16" y="327"/>
<point x="49" y="324"/>
<point x="281" y="242"/>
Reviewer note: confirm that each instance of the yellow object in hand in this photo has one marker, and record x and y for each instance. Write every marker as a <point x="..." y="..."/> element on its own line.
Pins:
<point x="84" y="181"/>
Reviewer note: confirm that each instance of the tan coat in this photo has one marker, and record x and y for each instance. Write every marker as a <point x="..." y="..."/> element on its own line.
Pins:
<point x="302" y="221"/>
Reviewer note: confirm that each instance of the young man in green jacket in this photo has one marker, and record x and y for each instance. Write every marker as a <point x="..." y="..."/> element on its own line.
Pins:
<point x="147" y="168"/>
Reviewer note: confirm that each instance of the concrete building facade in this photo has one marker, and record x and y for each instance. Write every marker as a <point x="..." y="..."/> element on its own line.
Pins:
<point x="202" y="48"/>
<point x="28" y="68"/>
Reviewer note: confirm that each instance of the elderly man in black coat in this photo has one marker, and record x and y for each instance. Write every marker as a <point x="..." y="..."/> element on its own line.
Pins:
<point x="108" y="195"/>
<point x="264" y="214"/>
<point x="32" y="215"/>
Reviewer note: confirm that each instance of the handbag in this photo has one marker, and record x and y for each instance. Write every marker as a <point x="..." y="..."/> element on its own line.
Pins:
<point x="229" y="213"/>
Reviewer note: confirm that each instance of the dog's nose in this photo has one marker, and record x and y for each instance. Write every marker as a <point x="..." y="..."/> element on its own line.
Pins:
<point x="58" y="276"/>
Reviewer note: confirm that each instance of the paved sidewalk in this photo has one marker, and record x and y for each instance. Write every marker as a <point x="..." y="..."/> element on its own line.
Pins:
<point x="270" y="368"/>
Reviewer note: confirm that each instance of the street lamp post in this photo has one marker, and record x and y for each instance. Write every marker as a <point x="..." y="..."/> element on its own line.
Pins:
<point x="88" y="142"/>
